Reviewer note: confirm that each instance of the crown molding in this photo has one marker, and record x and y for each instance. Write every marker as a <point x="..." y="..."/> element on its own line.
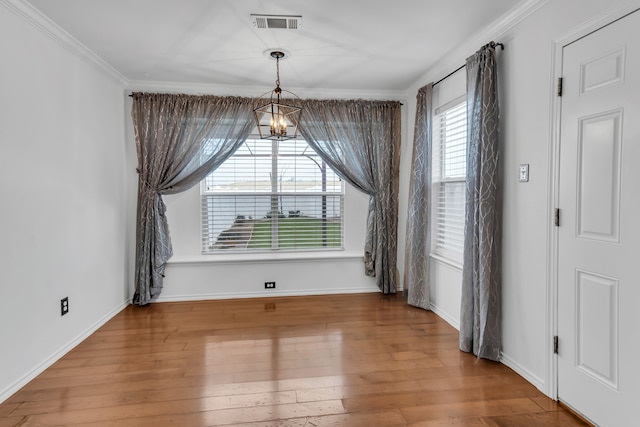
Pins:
<point x="454" y="58"/>
<point x="46" y="26"/>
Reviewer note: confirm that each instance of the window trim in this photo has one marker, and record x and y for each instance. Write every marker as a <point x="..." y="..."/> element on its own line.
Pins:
<point x="275" y="195"/>
<point x="445" y="254"/>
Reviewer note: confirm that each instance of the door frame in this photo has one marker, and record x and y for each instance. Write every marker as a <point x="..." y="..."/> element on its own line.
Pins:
<point x="553" y="194"/>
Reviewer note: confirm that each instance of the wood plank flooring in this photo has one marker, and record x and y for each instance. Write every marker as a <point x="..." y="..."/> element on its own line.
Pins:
<point x="339" y="360"/>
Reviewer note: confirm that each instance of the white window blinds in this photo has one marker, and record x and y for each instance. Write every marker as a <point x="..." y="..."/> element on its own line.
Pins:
<point x="448" y="181"/>
<point x="272" y="195"/>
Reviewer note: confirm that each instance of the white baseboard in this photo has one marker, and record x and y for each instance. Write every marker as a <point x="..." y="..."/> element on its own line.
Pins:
<point x="263" y="294"/>
<point x="13" y="388"/>
<point x="446" y="316"/>
<point x="524" y="373"/>
<point x="504" y="359"/>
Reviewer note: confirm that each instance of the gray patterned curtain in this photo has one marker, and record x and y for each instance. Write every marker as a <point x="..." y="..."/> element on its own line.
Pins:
<point x="360" y="141"/>
<point x="180" y="139"/>
<point x="416" y="269"/>
<point x="480" y="314"/>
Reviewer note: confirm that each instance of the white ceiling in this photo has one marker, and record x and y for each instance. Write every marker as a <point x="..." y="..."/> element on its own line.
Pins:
<point x="376" y="45"/>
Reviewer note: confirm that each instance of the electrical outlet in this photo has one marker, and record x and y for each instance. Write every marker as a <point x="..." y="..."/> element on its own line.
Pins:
<point x="523" y="172"/>
<point x="269" y="285"/>
<point x="64" y="306"/>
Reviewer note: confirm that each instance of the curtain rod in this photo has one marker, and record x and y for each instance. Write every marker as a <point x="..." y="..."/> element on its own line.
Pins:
<point x="401" y="104"/>
<point x="464" y="65"/>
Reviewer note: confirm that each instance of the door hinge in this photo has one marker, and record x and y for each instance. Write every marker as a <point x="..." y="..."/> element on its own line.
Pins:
<point x="559" y="86"/>
<point x="556" y="217"/>
<point x="555" y="344"/>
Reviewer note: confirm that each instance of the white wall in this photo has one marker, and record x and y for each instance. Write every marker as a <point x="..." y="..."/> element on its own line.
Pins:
<point x="445" y="277"/>
<point x="191" y="275"/>
<point x="66" y="181"/>
<point x="526" y="95"/>
<point x="528" y="90"/>
<point x="62" y="186"/>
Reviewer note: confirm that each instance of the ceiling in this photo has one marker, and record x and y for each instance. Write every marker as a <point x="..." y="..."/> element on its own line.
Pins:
<point x="372" y="45"/>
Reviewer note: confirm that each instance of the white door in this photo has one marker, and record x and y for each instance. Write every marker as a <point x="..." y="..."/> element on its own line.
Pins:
<point x="599" y="232"/>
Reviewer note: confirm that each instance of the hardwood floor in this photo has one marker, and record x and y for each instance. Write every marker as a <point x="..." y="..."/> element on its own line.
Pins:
<point x="340" y="360"/>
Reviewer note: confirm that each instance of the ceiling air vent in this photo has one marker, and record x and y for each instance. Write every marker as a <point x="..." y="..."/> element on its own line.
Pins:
<point x="285" y="22"/>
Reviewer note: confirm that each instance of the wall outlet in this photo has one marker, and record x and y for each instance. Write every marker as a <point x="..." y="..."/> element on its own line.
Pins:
<point x="523" y="172"/>
<point x="269" y="285"/>
<point x="64" y="306"/>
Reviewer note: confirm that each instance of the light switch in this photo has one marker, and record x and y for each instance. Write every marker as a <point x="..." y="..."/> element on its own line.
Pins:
<point x="524" y="172"/>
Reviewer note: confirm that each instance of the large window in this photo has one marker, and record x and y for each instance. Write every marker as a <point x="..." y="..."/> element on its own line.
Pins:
<point x="272" y="195"/>
<point x="448" y="181"/>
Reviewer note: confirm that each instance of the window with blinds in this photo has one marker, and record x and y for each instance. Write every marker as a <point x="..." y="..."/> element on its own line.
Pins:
<point x="272" y="195"/>
<point x="448" y="180"/>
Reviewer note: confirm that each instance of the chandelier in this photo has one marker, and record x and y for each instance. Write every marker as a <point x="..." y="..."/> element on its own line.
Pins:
<point x="277" y="121"/>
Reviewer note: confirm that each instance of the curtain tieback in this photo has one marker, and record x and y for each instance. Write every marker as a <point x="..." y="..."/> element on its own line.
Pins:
<point x="147" y="186"/>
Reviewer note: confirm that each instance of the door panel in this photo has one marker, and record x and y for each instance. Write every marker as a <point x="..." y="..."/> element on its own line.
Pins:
<point x="603" y="70"/>
<point x="599" y="176"/>
<point x="599" y="234"/>
<point x="597" y="326"/>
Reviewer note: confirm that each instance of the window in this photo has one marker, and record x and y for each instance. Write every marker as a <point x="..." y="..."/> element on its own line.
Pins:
<point x="448" y="180"/>
<point x="272" y="195"/>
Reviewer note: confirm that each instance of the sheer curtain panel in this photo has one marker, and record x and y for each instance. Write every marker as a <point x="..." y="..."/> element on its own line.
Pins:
<point x="360" y="140"/>
<point x="418" y="244"/>
<point x="179" y="140"/>
<point x="480" y="312"/>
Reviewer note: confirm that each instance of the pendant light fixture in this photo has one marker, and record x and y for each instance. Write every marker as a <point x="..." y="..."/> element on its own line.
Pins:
<point x="277" y="121"/>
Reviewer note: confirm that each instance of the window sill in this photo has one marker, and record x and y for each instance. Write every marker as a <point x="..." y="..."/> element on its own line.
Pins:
<point x="446" y="261"/>
<point x="259" y="258"/>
